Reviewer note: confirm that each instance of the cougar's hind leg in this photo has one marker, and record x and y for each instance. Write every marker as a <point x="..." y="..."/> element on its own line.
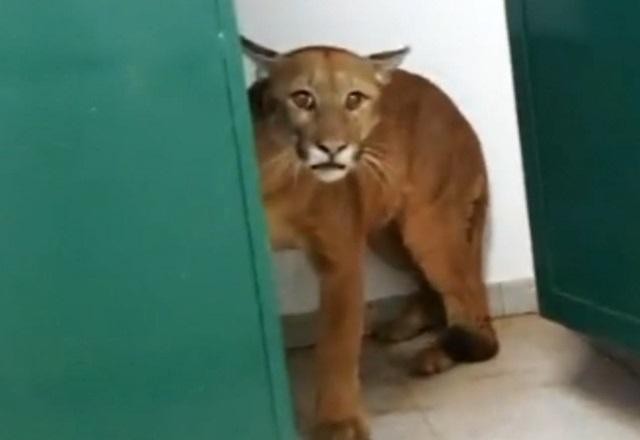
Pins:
<point x="422" y="311"/>
<point x="447" y="248"/>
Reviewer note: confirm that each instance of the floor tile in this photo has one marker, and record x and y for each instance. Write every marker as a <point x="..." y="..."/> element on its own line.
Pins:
<point x="548" y="383"/>
<point x="408" y="425"/>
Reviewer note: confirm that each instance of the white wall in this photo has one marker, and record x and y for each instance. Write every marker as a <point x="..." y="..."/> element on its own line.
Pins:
<point x="460" y="44"/>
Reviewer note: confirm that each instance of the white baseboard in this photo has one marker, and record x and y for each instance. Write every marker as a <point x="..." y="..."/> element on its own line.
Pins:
<point x="508" y="298"/>
<point x="515" y="297"/>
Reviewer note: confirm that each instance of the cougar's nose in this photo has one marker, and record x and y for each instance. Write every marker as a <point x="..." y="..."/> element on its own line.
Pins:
<point x="331" y="148"/>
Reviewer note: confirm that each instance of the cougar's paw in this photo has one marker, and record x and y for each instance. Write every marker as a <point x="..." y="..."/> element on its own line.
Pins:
<point x="470" y="344"/>
<point x="432" y="360"/>
<point x="355" y="429"/>
<point x="395" y="331"/>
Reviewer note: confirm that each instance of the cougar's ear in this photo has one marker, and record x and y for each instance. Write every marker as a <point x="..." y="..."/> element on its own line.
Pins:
<point x="262" y="57"/>
<point x="386" y="62"/>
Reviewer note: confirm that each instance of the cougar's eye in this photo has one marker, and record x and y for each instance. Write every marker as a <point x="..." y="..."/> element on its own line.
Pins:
<point x="303" y="99"/>
<point x="354" y="100"/>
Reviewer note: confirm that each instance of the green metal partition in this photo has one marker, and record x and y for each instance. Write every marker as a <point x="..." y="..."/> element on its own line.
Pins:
<point x="578" y="86"/>
<point x="135" y="299"/>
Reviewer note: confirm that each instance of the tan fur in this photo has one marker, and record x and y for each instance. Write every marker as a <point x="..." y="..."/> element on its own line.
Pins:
<point x="420" y="182"/>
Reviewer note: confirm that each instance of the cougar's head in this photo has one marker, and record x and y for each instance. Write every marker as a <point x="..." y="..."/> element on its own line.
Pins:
<point x="327" y="99"/>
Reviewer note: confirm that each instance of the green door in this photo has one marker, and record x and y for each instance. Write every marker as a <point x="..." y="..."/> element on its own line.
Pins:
<point x="134" y="291"/>
<point x="577" y="74"/>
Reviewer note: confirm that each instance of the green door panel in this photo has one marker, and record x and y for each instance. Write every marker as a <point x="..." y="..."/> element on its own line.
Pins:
<point x="134" y="293"/>
<point x="578" y="90"/>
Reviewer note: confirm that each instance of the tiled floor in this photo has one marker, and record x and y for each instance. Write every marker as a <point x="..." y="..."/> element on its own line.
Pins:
<point x="547" y="384"/>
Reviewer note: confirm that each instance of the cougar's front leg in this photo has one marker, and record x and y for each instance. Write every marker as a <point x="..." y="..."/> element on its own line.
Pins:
<point x="339" y="411"/>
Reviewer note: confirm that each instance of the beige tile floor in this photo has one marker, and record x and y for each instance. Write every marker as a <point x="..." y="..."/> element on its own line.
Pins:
<point x="547" y="384"/>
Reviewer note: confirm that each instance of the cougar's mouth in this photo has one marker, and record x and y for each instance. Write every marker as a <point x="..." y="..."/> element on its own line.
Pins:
<point x="329" y="166"/>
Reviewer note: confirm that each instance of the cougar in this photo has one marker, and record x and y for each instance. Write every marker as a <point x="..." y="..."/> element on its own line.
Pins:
<point x="355" y="152"/>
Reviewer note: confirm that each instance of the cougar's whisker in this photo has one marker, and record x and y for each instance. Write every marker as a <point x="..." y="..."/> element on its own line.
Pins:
<point x="377" y="169"/>
<point x="297" y="168"/>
